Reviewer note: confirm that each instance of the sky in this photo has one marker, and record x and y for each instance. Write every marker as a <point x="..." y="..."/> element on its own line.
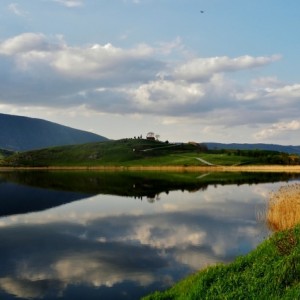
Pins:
<point x="187" y="70"/>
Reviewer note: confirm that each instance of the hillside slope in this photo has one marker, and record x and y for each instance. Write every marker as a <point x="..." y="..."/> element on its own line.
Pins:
<point x="142" y="152"/>
<point x="23" y="133"/>
<point x="111" y="153"/>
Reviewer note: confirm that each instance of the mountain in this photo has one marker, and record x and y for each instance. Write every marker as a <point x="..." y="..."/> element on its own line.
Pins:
<point x="23" y="133"/>
<point x="272" y="147"/>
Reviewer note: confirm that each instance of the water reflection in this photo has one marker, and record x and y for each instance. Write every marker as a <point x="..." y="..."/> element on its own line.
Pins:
<point x="111" y="247"/>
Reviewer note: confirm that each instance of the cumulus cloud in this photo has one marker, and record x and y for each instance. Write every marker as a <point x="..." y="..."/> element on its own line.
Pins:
<point x="287" y="91"/>
<point x="277" y="129"/>
<point x="200" y="69"/>
<point x="92" y="61"/>
<point x="140" y="80"/>
<point x="24" y="43"/>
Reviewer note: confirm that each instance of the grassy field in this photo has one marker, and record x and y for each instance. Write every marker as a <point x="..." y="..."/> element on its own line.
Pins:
<point x="138" y="152"/>
<point x="272" y="271"/>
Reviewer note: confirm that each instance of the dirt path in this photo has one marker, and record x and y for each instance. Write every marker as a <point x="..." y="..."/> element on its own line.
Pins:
<point x="204" y="161"/>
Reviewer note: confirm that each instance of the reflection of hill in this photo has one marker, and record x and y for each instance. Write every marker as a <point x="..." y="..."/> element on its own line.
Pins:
<point x="114" y="183"/>
<point x="20" y="199"/>
<point x="26" y="191"/>
<point x="135" y="183"/>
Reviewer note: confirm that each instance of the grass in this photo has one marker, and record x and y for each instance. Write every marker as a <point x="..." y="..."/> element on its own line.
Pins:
<point x="131" y="152"/>
<point x="271" y="271"/>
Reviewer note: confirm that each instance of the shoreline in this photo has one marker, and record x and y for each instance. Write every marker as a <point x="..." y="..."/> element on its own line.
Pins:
<point x="250" y="168"/>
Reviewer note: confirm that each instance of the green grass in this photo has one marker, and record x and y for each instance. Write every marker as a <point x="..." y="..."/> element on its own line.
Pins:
<point x="272" y="271"/>
<point x="127" y="152"/>
<point x="136" y="152"/>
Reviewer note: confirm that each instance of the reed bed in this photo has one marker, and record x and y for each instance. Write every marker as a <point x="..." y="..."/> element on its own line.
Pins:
<point x="283" y="211"/>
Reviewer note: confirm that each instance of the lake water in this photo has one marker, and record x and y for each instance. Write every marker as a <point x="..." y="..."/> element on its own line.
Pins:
<point x="93" y="235"/>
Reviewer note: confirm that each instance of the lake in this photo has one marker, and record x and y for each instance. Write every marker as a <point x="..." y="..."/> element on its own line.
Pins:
<point x="122" y="235"/>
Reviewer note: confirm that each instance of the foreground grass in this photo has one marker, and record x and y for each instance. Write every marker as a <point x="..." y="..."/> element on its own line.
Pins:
<point x="272" y="271"/>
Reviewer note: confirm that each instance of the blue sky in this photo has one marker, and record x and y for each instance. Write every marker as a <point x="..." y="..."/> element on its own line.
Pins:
<point x="122" y="68"/>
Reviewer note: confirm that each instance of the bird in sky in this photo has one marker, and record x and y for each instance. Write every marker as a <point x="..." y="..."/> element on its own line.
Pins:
<point x="202" y="11"/>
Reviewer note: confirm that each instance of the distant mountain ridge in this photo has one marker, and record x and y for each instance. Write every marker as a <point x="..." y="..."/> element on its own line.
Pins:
<point x="19" y="133"/>
<point x="260" y="146"/>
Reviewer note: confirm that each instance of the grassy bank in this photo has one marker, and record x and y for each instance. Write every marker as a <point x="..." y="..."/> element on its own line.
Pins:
<point x="271" y="271"/>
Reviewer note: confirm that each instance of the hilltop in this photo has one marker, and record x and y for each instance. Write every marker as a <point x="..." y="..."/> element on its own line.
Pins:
<point x="23" y="134"/>
<point x="143" y="152"/>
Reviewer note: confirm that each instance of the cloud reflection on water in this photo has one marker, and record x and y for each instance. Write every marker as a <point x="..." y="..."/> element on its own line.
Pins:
<point x="100" y="244"/>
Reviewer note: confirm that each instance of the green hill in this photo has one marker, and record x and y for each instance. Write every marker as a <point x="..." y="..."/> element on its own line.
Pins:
<point x="121" y="152"/>
<point x="141" y="152"/>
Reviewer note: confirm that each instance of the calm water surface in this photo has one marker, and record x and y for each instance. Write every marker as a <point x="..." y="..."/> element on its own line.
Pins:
<point x="121" y="236"/>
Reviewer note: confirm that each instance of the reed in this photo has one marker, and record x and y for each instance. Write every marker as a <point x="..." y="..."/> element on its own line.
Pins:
<point x="283" y="211"/>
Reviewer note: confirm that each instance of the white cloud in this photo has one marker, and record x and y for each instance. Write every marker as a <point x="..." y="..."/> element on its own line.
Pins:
<point x="201" y="69"/>
<point x="162" y="95"/>
<point x="24" y="43"/>
<point x="70" y="3"/>
<point x="30" y="49"/>
<point x="278" y="128"/>
<point x="142" y="80"/>
<point x="16" y="9"/>
<point x="97" y="60"/>
<point x="287" y="91"/>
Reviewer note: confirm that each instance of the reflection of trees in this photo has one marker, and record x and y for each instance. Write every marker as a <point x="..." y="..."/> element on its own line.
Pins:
<point x="139" y="184"/>
<point x="152" y="199"/>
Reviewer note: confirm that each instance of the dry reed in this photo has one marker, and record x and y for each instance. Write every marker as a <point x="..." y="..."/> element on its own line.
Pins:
<point x="283" y="211"/>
